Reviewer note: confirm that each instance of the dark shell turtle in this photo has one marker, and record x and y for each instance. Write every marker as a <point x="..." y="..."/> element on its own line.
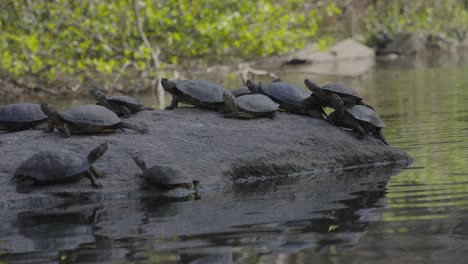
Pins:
<point x="361" y="119"/>
<point x="58" y="166"/>
<point x="289" y="97"/>
<point x="249" y="106"/>
<point x="164" y="177"/>
<point x="122" y="105"/>
<point x="332" y="94"/>
<point x="85" y="119"/>
<point x="21" y="116"/>
<point x="240" y="91"/>
<point x="199" y="93"/>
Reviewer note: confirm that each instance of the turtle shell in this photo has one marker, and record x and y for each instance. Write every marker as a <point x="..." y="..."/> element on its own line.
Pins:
<point x="366" y="114"/>
<point x="166" y="177"/>
<point x="241" y="91"/>
<point x="123" y="99"/>
<point x="285" y="93"/>
<point x="256" y="103"/>
<point x="90" y="114"/>
<point x="341" y="89"/>
<point x="203" y="91"/>
<point x="53" y="165"/>
<point x="21" y="112"/>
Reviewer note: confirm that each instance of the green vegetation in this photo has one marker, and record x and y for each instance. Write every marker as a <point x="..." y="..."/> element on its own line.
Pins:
<point x="49" y="39"/>
<point x="436" y="16"/>
<point x="56" y="41"/>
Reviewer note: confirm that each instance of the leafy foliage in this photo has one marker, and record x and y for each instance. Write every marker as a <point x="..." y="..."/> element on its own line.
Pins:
<point x="48" y="39"/>
<point x="435" y="16"/>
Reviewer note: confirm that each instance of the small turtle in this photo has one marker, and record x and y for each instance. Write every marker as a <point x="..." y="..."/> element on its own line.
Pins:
<point x="122" y="105"/>
<point x="240" y="91"/>
<point x="361" y="119"/>
<point x="164" y="177"/>
<point x="21" y="116"/>
<point x="288" y="96"/>
<point x="331" y="94"/>
<point x="249" y="106"/>
<point x="199" y="93"/>
<point x="86" y="119"/>
<point x="58" y="166"/>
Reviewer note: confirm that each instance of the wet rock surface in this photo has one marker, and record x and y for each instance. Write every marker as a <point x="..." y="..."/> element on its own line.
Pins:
<point x="218" y="152"/>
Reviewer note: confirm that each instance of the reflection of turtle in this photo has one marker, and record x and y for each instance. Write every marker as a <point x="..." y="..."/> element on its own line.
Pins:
<point x="288" y="96"/>
<point x="164" y="177"/>
<point x="21" y="116"/>
<point x="86" y="119"/>
<point x="360" y="118"/>
<point x="58" y="166"/>
<point x="240" y="91"/>
<point x="199" y="93"/>
<point x="249" y="106"/>
<point x="121" y="105"/>
<point x="332" y="94"/>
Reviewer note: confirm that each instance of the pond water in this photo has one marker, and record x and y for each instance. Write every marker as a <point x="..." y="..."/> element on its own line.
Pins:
<point x="387" y="215"/>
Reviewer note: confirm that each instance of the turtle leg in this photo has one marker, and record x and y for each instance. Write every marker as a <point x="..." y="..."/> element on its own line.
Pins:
<point x="97" y="173"/>
<point x="331" y="118"/>
<point x="90" y="175"/>
<point x="174" y="103"/>
<point x="361" y="132"/>
<point x="125" y="112"/>
<point x="139" y="128"/>
<point x="66" y="131"/>
<point x="24" y="185"/>
<point x="337" y="104"/>
<point x="273" y="114"/>
<point x="50" y="126"/>
<point x="378" y="134"/>
<point x="229" y="106"/>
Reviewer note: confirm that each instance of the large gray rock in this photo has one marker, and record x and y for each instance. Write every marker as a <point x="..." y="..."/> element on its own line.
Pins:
<point x="216" y="151"/>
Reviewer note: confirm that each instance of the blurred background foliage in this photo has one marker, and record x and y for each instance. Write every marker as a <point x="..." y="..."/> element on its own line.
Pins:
<point x="65" y="42"/>
<point x="49" y="39"/>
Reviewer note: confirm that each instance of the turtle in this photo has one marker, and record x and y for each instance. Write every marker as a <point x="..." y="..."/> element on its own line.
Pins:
<point x="21" y="116"/>
<point x="331" y="94"/>
<point x="58" y="166"/>
<point x="249" y="106"/>
<point x="86" y="119"/>
<point x="164" y="177"/>
<point x="361" y="119"/>
<point x="240" y="91"/>
<point x="289" y="97"/>
<point x="122" y="105"/>
<point x="199" y="93"/>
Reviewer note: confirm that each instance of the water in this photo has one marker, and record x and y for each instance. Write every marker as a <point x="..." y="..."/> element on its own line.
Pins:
<point x="415" y="215"/>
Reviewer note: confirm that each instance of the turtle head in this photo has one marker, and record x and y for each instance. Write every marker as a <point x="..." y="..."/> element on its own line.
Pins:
<point x="50" y="111"/>
<point x="96" y="153"/>
<point x="229" y="102"/>
<point x="313" y="87"/>
<point x="139" y="161"/>
<point x="97" y="94"/>
<point x="168" y="85"/>
<point x="100" y="97"/>
<point x="253" y="87"/>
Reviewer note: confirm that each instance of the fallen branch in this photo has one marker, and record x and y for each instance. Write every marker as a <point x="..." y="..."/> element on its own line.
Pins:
<point x="247" y="72"/>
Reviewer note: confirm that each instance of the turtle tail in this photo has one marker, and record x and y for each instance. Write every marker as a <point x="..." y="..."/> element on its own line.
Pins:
<point x="139" y="128"/>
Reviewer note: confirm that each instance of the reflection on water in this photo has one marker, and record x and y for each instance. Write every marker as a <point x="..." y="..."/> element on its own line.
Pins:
<point x="416" y="215"/>
<point x="308" y="212"/>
